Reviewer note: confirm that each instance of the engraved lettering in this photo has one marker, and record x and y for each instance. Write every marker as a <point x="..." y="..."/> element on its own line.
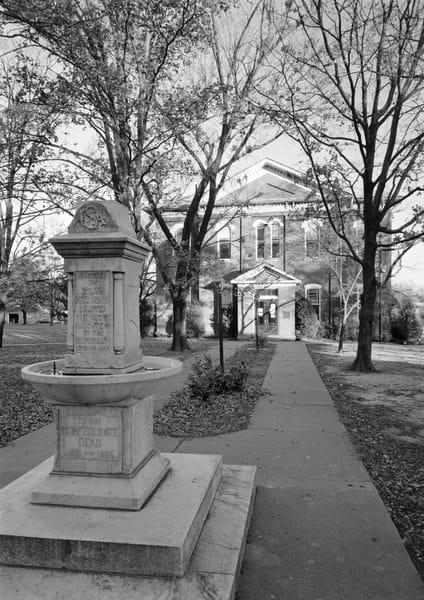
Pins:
<point x="93" y="311"/>
<point x="86" y="437"/>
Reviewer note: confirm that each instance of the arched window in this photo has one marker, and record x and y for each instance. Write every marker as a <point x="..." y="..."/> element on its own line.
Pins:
<point x="311" y="239"/>
<point x="313" y="294"/>
<point x="275" y="239"/>
<point x="358" y="228"/>
<point x="224" y="243"/>
<point x="260" y="240"/>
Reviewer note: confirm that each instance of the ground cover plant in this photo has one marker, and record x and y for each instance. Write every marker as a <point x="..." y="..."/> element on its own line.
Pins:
<point x="22" y="409"/>
<point x="383" y="413"/>
<point x="212" y="402"/>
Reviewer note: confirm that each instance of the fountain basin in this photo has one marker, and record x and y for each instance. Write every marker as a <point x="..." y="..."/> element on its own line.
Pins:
<point x="99" y="389"/>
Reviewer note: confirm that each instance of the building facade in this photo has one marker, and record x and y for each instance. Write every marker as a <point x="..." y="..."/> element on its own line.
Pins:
<point x="264" y="250"/>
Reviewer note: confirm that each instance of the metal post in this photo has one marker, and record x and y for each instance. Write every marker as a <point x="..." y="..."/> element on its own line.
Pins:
<point x="379" y="296"/>
<point x="220" y="335"/>
<point x="256" y="321"/>
<point x="241" y="243"/>
<point x="330" y="306"/>
<point x="284" y="242"/>
<point x="234" y="315"/>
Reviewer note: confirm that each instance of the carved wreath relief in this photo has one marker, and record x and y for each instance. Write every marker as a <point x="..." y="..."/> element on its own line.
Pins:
<point x="92" y="217"/>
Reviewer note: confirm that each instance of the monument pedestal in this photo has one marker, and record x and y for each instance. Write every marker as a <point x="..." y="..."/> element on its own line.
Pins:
<point x="211" y="572"/>
<point x="101" y="492"/>
<point x="157" y="540"/>
<point x="83" y="515"/>
<point x="104" y="456"/>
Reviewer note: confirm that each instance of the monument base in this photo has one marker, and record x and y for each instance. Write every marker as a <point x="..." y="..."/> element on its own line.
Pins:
<point x="211" y="573"/>
<point x="103" y="492"/>
<point x="157" y="540"/>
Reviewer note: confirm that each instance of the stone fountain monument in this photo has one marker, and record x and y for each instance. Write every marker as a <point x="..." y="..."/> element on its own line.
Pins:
<point x="108" y="502"/>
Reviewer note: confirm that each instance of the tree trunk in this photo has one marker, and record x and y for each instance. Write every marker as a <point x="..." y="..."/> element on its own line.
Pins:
<point x="24" y="315"/>
<point x="341" y="335"/>
<point x="363" y="360"/>
<point x="179" y="325"/>
<point x="141" y="318"/>
<point x="195" y="290"/>
<point x="2" y="321"/>
<point x="52" y="311"/>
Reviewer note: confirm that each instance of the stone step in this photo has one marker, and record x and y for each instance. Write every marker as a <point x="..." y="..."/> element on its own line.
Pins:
<point x="157" y="540"/>
<point x="211" y="573"/>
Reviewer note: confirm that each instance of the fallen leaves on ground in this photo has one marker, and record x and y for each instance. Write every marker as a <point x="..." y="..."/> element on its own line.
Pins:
<point x="396" y="466"/>
<point x="22" y="409"/>
<point x="186" y="417"/>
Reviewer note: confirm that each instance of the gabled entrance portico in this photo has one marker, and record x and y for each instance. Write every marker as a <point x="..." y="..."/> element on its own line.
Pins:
<point x="266" y="302"/>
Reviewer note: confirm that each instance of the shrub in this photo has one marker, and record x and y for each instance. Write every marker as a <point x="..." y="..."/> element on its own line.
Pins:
<point x="207" y="379"/>
<point x="307" y="322"/>
<point x="405" y="326"/>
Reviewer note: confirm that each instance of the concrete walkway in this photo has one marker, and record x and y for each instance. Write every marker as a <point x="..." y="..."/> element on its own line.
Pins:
<point x="319" y="529"/>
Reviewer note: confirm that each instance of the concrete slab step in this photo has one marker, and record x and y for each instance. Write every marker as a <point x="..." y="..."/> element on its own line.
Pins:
<point x="211" y="574"/>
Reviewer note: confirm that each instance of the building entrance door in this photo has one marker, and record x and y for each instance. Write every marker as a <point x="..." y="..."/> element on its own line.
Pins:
<point x="267" y="316"/>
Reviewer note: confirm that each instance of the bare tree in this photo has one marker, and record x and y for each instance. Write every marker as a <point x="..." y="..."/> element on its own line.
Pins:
<point x="27" y="125"/>
<point x="355" y="74"/>
<point x="117" y="58"/>
<point x="347" y="277"/>
<point x="214" y="120"/>
<point x="30" y="114"/>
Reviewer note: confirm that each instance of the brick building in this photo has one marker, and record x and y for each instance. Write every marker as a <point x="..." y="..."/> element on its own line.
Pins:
<point x="262" y="249"/>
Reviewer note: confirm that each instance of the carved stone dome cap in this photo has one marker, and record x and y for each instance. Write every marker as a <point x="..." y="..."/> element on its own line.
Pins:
<point x="102" y="217"/>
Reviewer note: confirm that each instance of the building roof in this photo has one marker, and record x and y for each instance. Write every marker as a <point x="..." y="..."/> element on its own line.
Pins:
<point x="265" y="186"/>
<point x="265" y="274"/>
<point x="266" y="182"/>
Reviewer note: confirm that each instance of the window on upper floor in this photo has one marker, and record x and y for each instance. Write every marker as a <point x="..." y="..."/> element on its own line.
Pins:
<point x="311" y="242"/>
<point x="313" y="295"/>
<point x="275" y="240"/>
<point x="260" y="241"/>
<point x="224" y="243"/>
<point x="358" y="228"/>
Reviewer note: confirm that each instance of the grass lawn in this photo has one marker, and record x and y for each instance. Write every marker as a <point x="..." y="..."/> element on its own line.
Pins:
<point x="34" y="334"/>
<point x="384" y="415"/>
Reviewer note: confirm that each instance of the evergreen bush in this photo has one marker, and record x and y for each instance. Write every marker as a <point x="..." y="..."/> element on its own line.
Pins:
<point x="405" y="326"/>
<point x="207" y="379"/>
<point x="307" y="322"/>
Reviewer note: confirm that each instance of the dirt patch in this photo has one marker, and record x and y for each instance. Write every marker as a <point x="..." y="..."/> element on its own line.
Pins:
<point x="398" y="382"/>
<point x="384" y="415"/>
